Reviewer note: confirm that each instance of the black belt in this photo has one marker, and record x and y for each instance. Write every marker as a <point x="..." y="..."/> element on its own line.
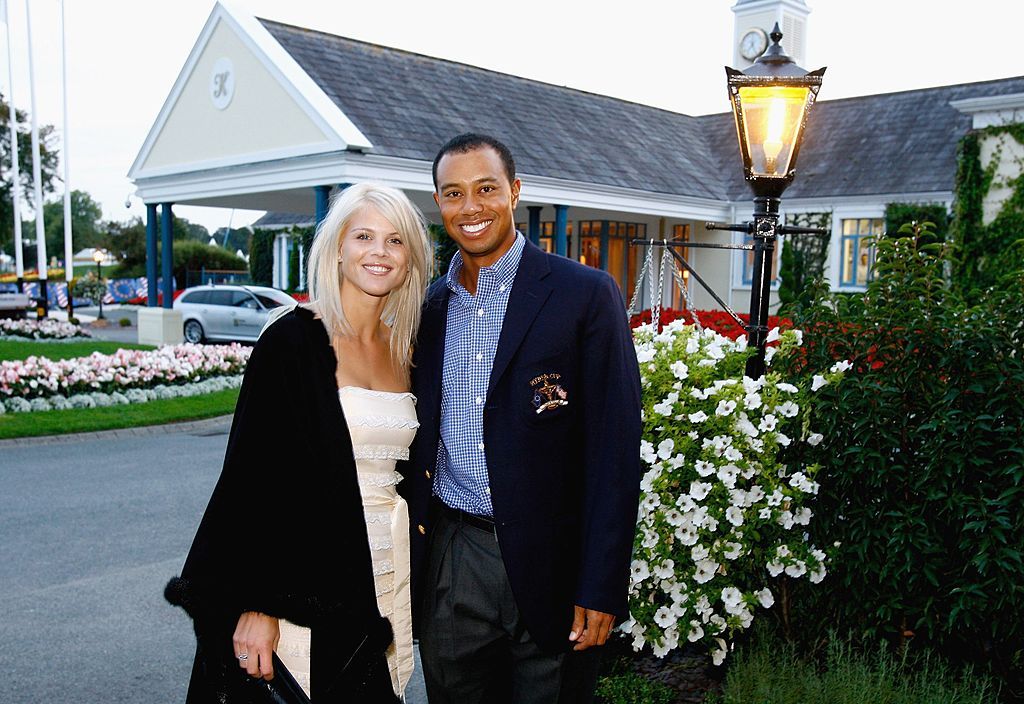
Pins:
<point x="471" y="519"/>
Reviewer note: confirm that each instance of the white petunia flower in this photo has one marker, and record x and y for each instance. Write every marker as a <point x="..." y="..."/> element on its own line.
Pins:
<point x="734" y="515"/>
<point x="788" y="409"/>
<point x="679" y="369"/>
<point x="727" y="475"/>
<point x="698" y="417"/>
<point x="841" y="366"/>
<point x="663" y="617"/>
<point x="817" y="382"/>
<point x="732" y="551"/>
<point x="639" y="571"/>
<point x="814" y="439"/>
<point x="775" y="568"/>
<point x="768" y="423"/>
<point x="704" y="468"/>
<point x="696" y="632"/>
<point x="665" y="448"/>
<point x="699" y="490"/>
<point x="665" y="569"/>
<point x="725" y="408"/>
<point x="797" y="569"/>
<point x="765" y="597"/>
<point x="705" y="571"/>
<point x="788" y="388"/>
<point x="752" y="401"/>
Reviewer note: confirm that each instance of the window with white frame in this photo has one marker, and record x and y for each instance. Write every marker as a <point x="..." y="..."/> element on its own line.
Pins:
<point x="856" y="255"/>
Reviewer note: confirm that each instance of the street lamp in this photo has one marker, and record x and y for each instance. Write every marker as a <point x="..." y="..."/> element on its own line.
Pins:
<point x="97" y="256"/>
<point x="771" y="101"/>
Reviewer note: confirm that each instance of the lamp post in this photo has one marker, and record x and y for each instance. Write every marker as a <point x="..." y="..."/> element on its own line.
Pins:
<point x="97" y="256"/>
<point x="771" y="101"/>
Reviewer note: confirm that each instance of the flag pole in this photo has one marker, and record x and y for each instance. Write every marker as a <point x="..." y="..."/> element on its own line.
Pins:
<point x="69" y="251"/>
<point x="12" y="123"/>
<point x="37" y="176"/>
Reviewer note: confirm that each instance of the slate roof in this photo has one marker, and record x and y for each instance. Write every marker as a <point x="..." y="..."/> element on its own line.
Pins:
<point x="408" y="105"/>
<point x="276" y="220"/>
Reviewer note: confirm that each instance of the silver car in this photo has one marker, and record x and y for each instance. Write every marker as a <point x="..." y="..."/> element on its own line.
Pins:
<point x="227" y="312"/>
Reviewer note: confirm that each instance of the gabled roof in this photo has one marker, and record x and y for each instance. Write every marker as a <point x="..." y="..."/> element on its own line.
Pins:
<point x="889" y="143"/>
<point x="408" y="105"/>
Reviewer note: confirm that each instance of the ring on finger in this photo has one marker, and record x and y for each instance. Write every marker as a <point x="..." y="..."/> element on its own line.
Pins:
<point x="243" y="657"/>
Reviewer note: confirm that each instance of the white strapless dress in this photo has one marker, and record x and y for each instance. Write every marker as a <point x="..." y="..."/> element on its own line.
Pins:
<point x="382" y="425"/>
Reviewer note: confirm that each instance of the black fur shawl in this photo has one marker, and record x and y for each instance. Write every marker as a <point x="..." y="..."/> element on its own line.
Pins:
<point x="284" y="532"/>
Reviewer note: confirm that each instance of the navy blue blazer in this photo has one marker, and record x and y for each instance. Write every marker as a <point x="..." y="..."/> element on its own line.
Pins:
<point x="564" y="481"/>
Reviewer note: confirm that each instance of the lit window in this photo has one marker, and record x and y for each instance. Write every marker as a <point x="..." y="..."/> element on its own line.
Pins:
<point x="857" y="256"/>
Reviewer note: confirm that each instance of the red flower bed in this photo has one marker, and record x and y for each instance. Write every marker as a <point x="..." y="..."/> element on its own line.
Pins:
<point x="717" y="320"/>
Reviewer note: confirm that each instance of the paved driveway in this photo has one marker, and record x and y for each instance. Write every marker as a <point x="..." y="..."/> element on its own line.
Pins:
<point x="90" y="530"/>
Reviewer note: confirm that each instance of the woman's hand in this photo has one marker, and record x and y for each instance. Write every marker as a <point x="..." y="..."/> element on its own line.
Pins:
<point x="255" y="640"/>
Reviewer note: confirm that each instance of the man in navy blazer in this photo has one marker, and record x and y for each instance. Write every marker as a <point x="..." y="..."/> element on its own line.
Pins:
<point x="524" y="477"/>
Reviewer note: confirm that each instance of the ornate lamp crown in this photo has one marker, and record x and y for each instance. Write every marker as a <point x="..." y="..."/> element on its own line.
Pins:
<point x="771" y="101"/>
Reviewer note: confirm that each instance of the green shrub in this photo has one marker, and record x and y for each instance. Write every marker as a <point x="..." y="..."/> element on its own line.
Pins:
<point x="125" y="322"/>
<point x="261" y="258"/>
<point x="632" y="688"/>
<point x="769" y="672"/>
<point x="190" y="255"/>
<point x="923" y="479"/>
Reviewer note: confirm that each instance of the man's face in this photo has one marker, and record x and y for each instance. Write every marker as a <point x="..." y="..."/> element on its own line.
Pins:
<point x="477" y="203"/>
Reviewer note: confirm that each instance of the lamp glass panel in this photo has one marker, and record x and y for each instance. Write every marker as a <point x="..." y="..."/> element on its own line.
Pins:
<point x="772" y="117"/>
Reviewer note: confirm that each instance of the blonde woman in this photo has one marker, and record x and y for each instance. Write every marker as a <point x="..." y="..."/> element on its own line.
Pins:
<point x="308" y="488"/>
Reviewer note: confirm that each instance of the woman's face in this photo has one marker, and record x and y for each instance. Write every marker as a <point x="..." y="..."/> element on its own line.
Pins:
<point x="374" y="257"/>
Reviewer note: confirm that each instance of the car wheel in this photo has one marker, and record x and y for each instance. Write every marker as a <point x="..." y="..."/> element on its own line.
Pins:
<point x="193" y="332"/>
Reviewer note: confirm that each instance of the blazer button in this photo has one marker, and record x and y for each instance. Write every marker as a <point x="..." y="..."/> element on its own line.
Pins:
<point x="421" y="529"/>
<point x="427" y="473"/>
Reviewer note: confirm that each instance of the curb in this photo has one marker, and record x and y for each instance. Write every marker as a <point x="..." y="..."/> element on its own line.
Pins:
<point x="207" y="425"/>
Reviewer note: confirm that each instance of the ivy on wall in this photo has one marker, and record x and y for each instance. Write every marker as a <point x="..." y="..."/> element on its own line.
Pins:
<point x="899" y="214"/>
<point x="261" y="257"/>
<point x="986" y="256"/>
<point x="802" y="260"/>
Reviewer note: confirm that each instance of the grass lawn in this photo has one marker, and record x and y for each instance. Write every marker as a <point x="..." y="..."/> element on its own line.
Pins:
<point x="62" y="350"/>
<point x="20" y="425"/>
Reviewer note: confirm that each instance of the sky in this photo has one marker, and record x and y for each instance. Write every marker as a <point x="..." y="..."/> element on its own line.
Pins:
<point x="123" y="57"/>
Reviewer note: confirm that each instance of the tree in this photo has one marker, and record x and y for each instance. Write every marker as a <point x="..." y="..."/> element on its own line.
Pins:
<point x="85" y="219"/>
<point x="48" y="160"/>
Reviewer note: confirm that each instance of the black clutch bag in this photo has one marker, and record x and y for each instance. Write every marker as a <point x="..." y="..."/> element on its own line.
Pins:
<point x="283" y="689"/>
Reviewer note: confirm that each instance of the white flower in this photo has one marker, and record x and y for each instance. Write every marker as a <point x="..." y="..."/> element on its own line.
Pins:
<point x="733" y="455"/>
<point x="765" y="597"/>
<point x="687" y="535"/>
<point x="773" y="335"/>
<point x="768" y="423"/>
<point x="817" y="575"/>
<point x="782" y="439"/>
<point x="706" y="569"/>
<point x="788" y="409"/>
<point x="644" y="354"/>
<point x="698" y="490"/>
<point x="727" y="475"/>
<point x="696" y="632"/>
<point x="769" y="354"/>
<point x="647" y="452"/>
<point x="788" y="388"/>
<point x="752" y="401"/>
<point x="802" y="516"/>
<point x="698" y="417"/>
<point x="679" y="369"/>
<point x="732" y="598"/>
<point x="799" y="334"/>
<point x="732" y="551"/>
<point x="665" y="570"/>
<point x="674" y="517"/>
<point x="665" y="448"/>
<point x="663" y="617"/>
<point x="841" y="366"/>
<point x="775" y="568"/>
<point x="814" y="439"/>
<point x="699" y="552"/>
<point x="639" y="571"/>
<point x="797" y="569"/>
<point x="725" y="408"/>
<point x="704" y="468"/>
<point x="785" y="520"/>
<point x="719" y="653"/>
<point x="734" y="515"/>
<point x="765" y="513"/>
<point x="817" y="382"/>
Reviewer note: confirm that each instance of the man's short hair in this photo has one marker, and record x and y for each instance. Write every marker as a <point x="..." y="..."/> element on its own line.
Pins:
<point x="471" y="141"/>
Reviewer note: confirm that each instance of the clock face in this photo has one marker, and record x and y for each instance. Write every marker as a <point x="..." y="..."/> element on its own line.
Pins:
<point x="753" y="43"/>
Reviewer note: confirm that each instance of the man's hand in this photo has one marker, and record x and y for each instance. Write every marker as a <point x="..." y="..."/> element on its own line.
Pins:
<point x="255" y="639"/>
<point x="590" y="628"/>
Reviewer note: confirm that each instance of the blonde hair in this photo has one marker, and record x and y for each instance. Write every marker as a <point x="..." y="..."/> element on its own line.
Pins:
<point x="402" y="308"/>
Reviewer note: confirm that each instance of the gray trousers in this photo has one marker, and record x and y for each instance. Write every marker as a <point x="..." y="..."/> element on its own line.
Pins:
<point x="473" y="644"/>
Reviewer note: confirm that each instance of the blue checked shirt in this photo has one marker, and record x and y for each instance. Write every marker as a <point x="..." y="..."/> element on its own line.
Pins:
<point x="470" y="342"/>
